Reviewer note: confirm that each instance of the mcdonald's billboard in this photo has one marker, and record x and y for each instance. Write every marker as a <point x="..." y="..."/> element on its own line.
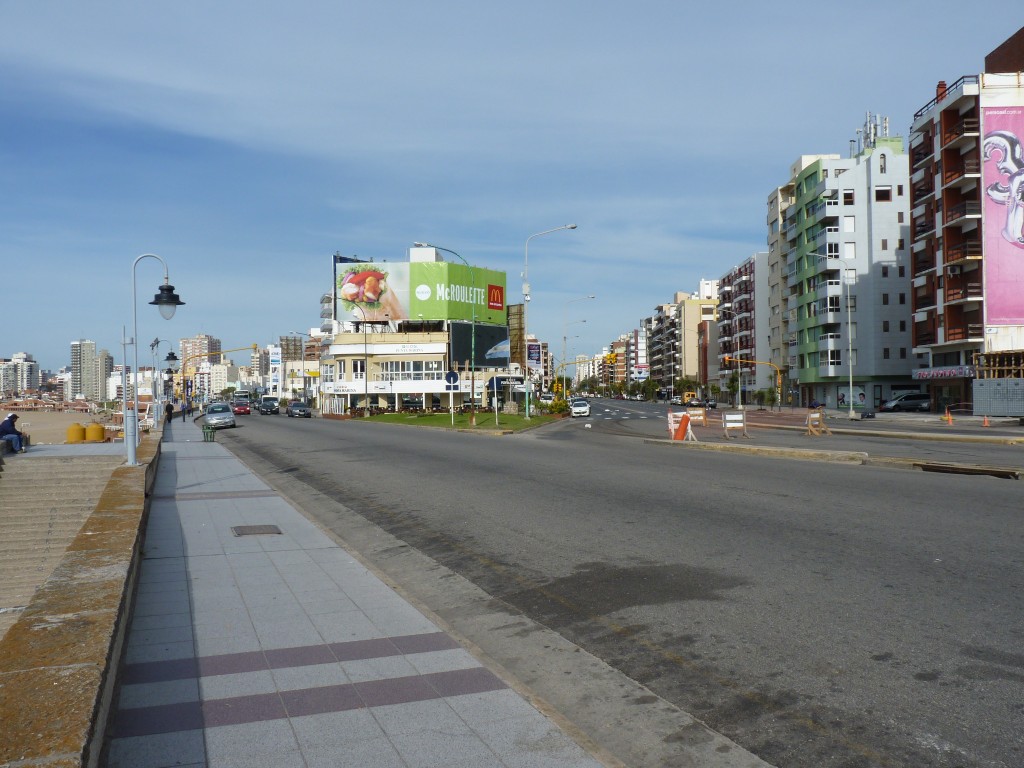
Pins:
<point x="420" y="290"/>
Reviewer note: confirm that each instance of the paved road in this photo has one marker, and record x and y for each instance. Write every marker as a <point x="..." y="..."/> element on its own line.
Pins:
<point x="818" y="614"/>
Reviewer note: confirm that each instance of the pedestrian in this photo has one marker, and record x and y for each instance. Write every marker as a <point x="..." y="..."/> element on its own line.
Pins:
<point x="168" y="412"/>
<point x="10" y="433"/>
<point x="184" y="409"/>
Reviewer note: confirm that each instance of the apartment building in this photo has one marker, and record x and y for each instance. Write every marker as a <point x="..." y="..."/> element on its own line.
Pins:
<point x="197" y="348"/>
<point x="741" y="307"/>
<point x="847" y="257"/>
<point x="967" y="224"/>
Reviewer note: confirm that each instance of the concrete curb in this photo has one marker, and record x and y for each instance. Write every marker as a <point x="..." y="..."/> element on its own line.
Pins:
<point x="804" y="454"/>
<point x="58" y="662"/>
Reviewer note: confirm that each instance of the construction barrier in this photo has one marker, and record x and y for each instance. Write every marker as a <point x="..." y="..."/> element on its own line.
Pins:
<point x="734" y="420"/>
<point x="679" y="427"/>
<point x="698" y="415"/>
<point x="815" y="423"/>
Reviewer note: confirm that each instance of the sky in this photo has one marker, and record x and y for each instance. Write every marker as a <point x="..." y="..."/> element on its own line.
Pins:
<point x="247" y="143"/>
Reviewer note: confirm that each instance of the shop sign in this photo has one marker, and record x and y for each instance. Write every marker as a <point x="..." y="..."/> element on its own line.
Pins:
<point x="950" y="372"/>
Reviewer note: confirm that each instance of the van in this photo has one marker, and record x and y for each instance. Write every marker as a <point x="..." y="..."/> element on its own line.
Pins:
<point x="909" y="401"/>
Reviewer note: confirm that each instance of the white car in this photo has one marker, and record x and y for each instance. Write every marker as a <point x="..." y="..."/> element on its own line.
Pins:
<point x="579" y="408"/>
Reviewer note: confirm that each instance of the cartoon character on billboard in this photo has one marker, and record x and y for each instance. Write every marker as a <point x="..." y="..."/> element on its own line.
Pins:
<point x="1005" y="148"/>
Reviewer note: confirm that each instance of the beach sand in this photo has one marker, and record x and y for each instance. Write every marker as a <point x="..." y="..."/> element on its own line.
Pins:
<point x="47" y="428"/>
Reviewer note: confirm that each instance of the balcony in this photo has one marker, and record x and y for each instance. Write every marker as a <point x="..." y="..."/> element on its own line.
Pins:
<point x="968" y="249"/>
<point x="966" y="131"/>
<point x="924" y="261"/>
<point x="963" y="292"/>
<point x="968" y="332"/>
<point x="966" y="174"/>
<point x="969" y="209"/>
<point x="924" y="301"/>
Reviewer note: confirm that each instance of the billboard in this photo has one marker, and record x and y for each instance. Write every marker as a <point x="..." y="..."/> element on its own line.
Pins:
<point x="420" y="290"/>
<point x="1002" y="124"/>
<point x="533" y="356"/>
<point x="491" y="345"/>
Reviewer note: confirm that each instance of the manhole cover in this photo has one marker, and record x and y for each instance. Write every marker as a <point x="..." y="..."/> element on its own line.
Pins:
<point x="254" y="530"/>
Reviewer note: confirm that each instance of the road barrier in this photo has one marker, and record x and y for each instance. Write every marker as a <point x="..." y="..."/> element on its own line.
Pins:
<point x="734" y="420"/>
<point x="815" y="423"/>
<point x="679" y="426"/>
<point x="698" y="414"/>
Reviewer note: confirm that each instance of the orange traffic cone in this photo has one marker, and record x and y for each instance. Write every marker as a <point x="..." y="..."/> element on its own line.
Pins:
<point x="985" y="422"/>
<point x="948" y="417"/>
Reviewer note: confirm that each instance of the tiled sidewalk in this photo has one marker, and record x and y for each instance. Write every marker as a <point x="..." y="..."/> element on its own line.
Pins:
<point x="258" y="641"/>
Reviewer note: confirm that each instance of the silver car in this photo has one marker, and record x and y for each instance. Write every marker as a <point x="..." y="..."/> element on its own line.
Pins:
<point x="218" y="416"/>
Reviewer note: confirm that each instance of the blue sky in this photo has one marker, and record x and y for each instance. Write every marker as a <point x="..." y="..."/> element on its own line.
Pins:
<point x="245" y="143"/>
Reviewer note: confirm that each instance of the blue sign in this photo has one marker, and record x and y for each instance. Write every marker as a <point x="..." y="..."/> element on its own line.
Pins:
<point x="451" y="381"/>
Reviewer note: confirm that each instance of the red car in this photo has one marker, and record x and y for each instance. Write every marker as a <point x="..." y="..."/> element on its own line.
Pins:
<point x="240" y="407"/>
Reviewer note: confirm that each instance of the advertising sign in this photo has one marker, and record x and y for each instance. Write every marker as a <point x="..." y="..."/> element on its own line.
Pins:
<point x="859" y="397"/>
<point x="421" y="290"/>
<point x="533" y="356"/>
<point x="1003" y="204"/>
<point x="491" y="345"/>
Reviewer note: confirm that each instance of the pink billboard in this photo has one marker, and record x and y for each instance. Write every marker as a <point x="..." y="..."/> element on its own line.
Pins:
<point x="1003" y="177"/>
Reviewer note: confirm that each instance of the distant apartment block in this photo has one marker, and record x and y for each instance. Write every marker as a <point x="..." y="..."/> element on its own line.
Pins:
<point x="198" y="348"/>
<point x="740" y="312"/>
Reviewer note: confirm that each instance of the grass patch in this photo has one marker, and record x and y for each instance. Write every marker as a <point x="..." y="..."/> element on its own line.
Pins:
<point x="485" y="421"/>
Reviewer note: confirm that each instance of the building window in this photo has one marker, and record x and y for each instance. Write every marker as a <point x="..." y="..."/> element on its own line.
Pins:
<point x="903" y="353"/>
<point x="899" y="216"/>
<point x="341" y="370"/>
<point x="835" y="357"/>
<point x="903" y="298"/>
<point x="885" y="298"/>
<point x="900" y="244"/>
<point x="849" y="223"/>
<point x="359" y="369"/>
<point x="883" y="194"/>
<point x="327" y="373"/>
<point x="899" y="193"/>
<point x="847" y="197"/>
<point x="903" y="270"/>
<point x="881" y="163"/>
<point x="885" y="353"/>
<point x="885" y="326"/>
<point x="885" y="247"/>
<point x="903" y="325"/>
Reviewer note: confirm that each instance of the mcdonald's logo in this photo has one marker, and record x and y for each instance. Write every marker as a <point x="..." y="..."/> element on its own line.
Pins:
<point x="495" y="296"/>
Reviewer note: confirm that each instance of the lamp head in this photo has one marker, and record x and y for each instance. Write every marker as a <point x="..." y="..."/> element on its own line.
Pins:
<point x="571" y="226"/>
<point x="172" y="361"/>
<point x="167" y="301"/>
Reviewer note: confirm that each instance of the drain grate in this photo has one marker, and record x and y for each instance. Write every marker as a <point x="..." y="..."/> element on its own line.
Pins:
<point x="254" y="530"/>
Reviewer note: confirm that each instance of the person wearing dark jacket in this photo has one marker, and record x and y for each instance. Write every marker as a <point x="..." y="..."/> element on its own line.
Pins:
<point x="168" y="412"/>
<point x="10" y="433"/>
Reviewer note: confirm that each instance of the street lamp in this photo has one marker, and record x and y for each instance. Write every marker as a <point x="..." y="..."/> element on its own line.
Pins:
<point x="167" y="301"/>
<point x="169" y="363"/>
<point x="849" y="339"/>
<point x="565" y="361"/>
<point x="526" y="303"/>
<point x="565" y="325"/>
<point x="472" y="341"/>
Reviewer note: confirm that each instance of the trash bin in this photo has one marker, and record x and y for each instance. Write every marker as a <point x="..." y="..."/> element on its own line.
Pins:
<point x="209" y="435"/>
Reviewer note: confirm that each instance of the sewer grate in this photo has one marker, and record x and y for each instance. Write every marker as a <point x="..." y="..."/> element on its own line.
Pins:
<point x="254" y="530"/>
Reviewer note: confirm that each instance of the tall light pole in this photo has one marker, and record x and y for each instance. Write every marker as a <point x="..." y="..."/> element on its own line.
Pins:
<point x="849" y="341"/>
<point x="565" y="361"/>
<point x="366" y="366"/>
<point x="167" y="301"/>
<point x="472" y="341"/>
<point x="526" y="304"/>
<point x="565" y="325"/>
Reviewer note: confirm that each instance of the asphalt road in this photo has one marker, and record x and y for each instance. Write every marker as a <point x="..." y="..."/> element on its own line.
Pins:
<point x="818" y="614"/>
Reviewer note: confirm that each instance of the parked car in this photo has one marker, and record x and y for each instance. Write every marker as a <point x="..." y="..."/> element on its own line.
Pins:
<point x="909" y="401"/>
<point x="579" y="408"/>
<point x="269" y="405"/>
<point x="710" y="402"/>
<point x="300" y="409"/>
<point x="547" y="398"/>
<point x="218" y="416"/>
<point x="241" y="407"/>
<point x="694" y="402"/>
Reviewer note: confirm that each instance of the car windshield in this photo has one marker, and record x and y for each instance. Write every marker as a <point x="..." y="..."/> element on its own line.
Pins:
<point x="218" y="408"/>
